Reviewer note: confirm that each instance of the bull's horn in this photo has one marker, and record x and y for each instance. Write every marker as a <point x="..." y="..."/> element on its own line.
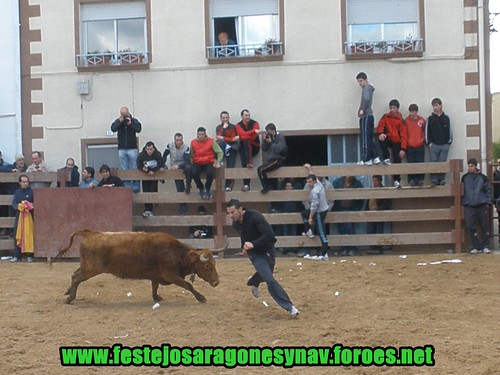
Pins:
<point x="203" y="258"/>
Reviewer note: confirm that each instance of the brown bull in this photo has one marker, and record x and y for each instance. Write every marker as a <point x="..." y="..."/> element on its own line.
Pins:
<point x="158" y="257"/>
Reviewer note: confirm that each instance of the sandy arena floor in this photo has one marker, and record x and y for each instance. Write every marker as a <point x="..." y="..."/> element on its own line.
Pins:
<point x="359" y="301"/>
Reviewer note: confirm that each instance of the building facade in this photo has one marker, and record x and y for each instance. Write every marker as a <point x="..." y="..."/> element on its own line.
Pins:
<point x="289" y="62"/>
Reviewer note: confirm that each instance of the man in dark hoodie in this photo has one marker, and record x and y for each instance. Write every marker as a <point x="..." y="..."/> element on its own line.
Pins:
<point x="438" y="136"/>
<point x="476" y="198"/>
<point x="150" y="161"/>
<point x="275" y="145"/>
<point x="366" y="122"/>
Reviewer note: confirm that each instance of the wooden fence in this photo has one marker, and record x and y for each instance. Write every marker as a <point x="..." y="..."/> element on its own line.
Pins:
<point x="422" y="216"/>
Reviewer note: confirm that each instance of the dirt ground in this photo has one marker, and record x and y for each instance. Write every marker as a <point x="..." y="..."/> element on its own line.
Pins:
<point x="358" y="301"/>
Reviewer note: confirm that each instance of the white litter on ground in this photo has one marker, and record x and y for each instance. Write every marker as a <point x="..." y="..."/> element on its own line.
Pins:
<point x="265" y="303"/>
<point x="440" y="262"/>
<point x="156" y="306"/>
<point x="337" y="293"/>
<point x="403" y="256"/>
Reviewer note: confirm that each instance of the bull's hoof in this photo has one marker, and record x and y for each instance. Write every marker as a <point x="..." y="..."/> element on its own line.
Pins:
<point x="66" y="293"/>
<point x="69" y="300"/>
<point x="157" y="298"/>
<point x="202" y="299"/>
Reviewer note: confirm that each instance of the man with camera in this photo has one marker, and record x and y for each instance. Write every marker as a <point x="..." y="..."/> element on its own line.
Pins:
<point x="275" y="145"/>
<point x="127" y="127"/>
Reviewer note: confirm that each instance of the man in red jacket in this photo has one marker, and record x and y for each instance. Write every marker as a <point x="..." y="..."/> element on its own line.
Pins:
<point x="205" y="156"/>
<point x="248" y="130"/>
<point x="415" y="153"/>
<point x="392" y="135"/>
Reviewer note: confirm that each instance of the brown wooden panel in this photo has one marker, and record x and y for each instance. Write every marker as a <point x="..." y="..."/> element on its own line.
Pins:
<point x="60" y="212"/>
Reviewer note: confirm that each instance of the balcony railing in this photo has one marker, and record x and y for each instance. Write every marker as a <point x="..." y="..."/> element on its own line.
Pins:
<point x="245" y="50"/>
<point x="385" y="46"/>
<point x="89" y="60"/>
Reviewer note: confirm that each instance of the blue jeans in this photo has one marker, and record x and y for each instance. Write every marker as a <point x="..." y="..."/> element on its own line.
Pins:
<point x="264" y="265"/>
<point x="415" y="155"/>
<point x="128" y="161"/>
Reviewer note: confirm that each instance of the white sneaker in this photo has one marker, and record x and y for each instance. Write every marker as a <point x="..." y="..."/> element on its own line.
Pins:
<point x="397" y="184"/>
<point x="307" y="256"/>
<point x="368" y="162"/>
<point x="475" y="251"/>
<point x="376" y="161"/>
<point x="387" y="161"/>
<point x="228" y="189"/>
<point x="294" y="312"/>
<point x="245" y="188"/>
<point x="325" y="257"/>
<point x="310" y="233"/>
<point x="315" y="257"/>
<point x="486" y="250"/>
<point x="361" y="162"/>
<point x="255" y="292"/>
<point x="147" y="214"/>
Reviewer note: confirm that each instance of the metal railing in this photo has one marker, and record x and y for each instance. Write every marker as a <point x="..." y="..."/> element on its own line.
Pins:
<point x="112" y="58"/>
<point x="384" y="46"/>
<point x="244" y="50"/>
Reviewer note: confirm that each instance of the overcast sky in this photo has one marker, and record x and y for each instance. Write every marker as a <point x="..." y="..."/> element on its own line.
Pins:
<point x="495" y="48"/>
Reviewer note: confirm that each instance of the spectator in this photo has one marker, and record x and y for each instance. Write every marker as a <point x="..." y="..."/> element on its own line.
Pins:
<point x="314" y="217"/>
<point x="347" y="182"/>
<point x="88" y="179"/>
<point x="71" y="170"/>
<point x="150" y="161"/>
<point x="201" y="231"/>
<point x="415" y="151"/>
<point x="289" y="207"/>
<point x="4" y="190"/>
<point x="22" y="203"/>
<point x="127" y="127"/>
<point x="248" y="131"/>
<point x="229" y="142"/>
<point x="438" y="136"/>
<point x="476" y="198"/>
<point x="326" y="184"/>
<point x="225" y="47"/>
<point x="179" y="159"/>
<point x="19" y="165"/>
<point x="366" y="122"/>
<point x="392" y="135"/>
<point x="38" y="165"/>
<point x="107" y="179"/>
<point x="275" y="145"/>
<point x="257" y="241"/>
<point x="496" y="178"/>
<point x="205" y="156"/>
<point x="377" y="205"/>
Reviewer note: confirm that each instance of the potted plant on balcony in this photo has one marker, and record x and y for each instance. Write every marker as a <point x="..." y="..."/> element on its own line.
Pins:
<point x="127" y="56"/>
<point x="380" y="47"/>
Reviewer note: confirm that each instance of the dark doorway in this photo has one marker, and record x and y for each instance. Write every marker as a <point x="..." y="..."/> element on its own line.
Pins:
<point x="310" y="149"/>
<point x="225" y="24"/>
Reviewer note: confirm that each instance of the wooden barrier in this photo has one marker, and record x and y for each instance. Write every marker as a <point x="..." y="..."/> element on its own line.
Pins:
<point x="420" y="215"/>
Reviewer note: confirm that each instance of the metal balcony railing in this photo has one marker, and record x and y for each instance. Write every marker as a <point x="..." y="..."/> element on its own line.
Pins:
<point x="98" y="59"/>
<point x="244" y="50"/>
<point x="384" y="46"/>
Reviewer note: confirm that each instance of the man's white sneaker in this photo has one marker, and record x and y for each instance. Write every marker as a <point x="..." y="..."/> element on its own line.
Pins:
<point x="369" y="162"/>
<point x="310" y="233"/>
<point x="307" y="256"/>
<point x="325" y="257"/>
<point x="255" y="292"/>
<point x="315" y="257"/>
<point x="486" y="250"/>
<point x="475" y="251"/>
<point x="361" y="162"/>
<point x="397" y="184"/>
<point x="294" y="312"/>
<point x="387" y="161"/>
<point x="376" y="161"/>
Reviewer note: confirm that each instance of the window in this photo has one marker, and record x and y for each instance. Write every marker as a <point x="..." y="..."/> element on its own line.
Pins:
<point x="113" y="34"/>
<point x="252" y="28"/>
<point x="383" y="26"/>
<point x="344" y="149"/>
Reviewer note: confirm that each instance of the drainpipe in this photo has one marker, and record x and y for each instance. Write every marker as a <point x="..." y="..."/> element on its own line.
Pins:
<point x="482" y="85"/>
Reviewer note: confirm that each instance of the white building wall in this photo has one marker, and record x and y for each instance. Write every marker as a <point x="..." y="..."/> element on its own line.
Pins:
<point x="313" y="88"/>
<point x="10" y="103"/>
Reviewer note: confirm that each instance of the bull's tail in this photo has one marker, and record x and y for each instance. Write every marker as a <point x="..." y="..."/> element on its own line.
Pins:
<point x="65" y="249"/>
